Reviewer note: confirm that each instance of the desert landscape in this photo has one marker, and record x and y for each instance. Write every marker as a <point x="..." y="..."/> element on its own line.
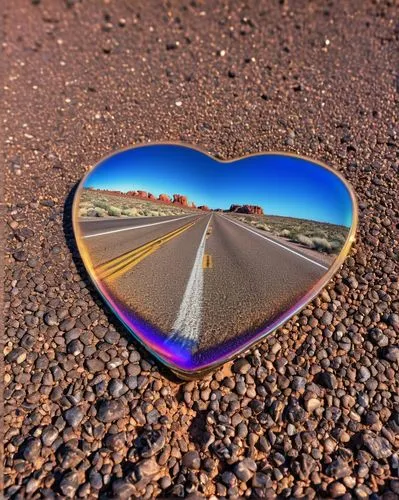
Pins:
<point x="103" y="203"/>
<point x="325" y="238"/>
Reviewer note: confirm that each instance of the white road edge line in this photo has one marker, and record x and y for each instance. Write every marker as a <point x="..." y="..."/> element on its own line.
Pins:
<point x="135" y="227"/>
<point x="275" y="243"/>
<point x="188" y="321"/>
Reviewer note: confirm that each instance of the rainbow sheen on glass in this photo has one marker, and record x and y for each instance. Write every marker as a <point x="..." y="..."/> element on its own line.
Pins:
<point x="201" y="258"/>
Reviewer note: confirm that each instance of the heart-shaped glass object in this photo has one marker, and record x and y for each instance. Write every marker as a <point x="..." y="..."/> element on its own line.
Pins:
<point x="201" y="258"/>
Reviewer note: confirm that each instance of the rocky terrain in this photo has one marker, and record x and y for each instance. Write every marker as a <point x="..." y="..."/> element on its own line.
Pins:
<point x="100" y="203"/>
<point x="319" y="236"/>
<point x="310" y="413"/>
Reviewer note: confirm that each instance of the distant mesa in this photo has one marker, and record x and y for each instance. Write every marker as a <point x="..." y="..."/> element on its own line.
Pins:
<point x="204" y="208"/>
<point x="193" y="205"/>
<point x="246" y="209"/>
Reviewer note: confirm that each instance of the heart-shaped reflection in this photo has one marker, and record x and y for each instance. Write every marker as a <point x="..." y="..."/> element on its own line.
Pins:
<point x="200" y="258"/>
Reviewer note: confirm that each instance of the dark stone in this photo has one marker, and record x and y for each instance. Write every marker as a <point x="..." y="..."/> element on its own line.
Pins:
<point x="95" y="365"/>
<point x="74" y="416"/>
<point x="50" y="318"/>
<point x="192" y="460"/>
<point x="69" y="484"/>
<point x="150" y="443"/>
<point x="109" y="411"/>
<point x="49" y="435"/>
<point x="20" y="255"/>
<point x="378" y="446"/>
<point x="391" y="354"/>
<point x="328" y="380"/>
<point x="241" y="366"/>
<point x="338" y="469"/>
<point x="245" y="469"/>
<point x="31" y="449"/>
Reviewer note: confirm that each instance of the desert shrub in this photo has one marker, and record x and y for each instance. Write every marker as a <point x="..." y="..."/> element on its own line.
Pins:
<point x="130" y="212"/>
<point x="286" y="233"/>
<point x="114" y="211"/>
<point x="82" y="212"/>
<point x="302" y="239"/>
<point x="336" y="246"/>
<point x="101" y="204"/>
<point x="264" y="227"/>
<point x="85" y="204"/>
<point x="321" y="245"/>
<point x="340" y="238"/>
<point x="317" y="234"/>
<point x="100" y="212"/>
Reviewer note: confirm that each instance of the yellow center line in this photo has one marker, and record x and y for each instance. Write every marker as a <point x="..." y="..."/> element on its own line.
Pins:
<point x="207" y="262"/>
<point x="122" y="258"/>
<point x="120" y="265"/>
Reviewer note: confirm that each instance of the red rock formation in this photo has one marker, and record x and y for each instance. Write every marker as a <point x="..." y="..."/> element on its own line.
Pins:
<point x="180" y="200"/>
<point x="165" y="198"/>
<point x="246" y="209"/>
<point x="204" y="208"/>
<point x="258" y="210"/>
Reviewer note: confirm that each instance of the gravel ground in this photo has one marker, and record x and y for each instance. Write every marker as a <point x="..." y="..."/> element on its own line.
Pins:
<point x="314" y="410"/>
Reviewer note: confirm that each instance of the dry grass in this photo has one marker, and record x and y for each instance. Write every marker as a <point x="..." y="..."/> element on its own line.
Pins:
<point x="319" y="236"/>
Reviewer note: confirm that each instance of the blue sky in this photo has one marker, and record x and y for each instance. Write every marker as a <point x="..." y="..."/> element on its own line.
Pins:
<point x="281" y="185"/>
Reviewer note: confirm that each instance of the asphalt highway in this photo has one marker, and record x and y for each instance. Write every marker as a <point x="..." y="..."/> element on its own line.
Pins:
<point x="199" y="278"/>
<point x="108" y="238"/>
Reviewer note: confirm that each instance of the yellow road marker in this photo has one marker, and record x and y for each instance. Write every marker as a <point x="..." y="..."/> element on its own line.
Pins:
<point x="120" y="265"/>
<point x="207" y="262"/>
